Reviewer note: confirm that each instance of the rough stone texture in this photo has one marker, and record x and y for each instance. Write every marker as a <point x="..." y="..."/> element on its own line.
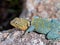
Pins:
<point x="42" y="8"/>
<point x="13" y="37"/>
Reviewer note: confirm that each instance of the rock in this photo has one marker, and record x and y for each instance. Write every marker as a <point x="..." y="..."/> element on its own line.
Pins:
<point x="32" y="38"/>
<point x="42" y="8"/>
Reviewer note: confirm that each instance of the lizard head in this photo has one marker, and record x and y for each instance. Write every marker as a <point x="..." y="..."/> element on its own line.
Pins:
<point x="20" y="23"/>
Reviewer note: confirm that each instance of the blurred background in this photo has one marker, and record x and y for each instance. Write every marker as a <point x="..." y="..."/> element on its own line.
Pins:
<point x="9" y="9"/>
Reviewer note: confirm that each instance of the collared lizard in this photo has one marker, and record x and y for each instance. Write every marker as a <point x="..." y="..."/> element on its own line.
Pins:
<point x="51" y="28"/>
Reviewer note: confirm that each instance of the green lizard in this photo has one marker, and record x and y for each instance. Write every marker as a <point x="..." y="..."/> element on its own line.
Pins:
<point x="51" y="28"/>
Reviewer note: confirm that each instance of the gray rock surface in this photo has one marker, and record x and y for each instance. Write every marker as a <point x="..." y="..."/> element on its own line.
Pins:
<point x="13" y="37"/>
<point x="42" y="8"/>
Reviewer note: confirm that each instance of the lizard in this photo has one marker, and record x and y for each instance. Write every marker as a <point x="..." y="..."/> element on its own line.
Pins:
<point x="51" y="28"/>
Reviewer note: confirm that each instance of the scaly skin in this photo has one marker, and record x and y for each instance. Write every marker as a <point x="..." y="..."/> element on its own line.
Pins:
<point x="40" y="25"/>
<point x="20" y="23"/>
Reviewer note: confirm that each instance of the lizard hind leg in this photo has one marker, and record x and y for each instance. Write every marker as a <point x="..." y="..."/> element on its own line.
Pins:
<point x="53" y="35"/>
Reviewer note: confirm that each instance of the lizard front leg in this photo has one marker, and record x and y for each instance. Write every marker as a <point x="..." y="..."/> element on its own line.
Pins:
<point x="30" y="29"/>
